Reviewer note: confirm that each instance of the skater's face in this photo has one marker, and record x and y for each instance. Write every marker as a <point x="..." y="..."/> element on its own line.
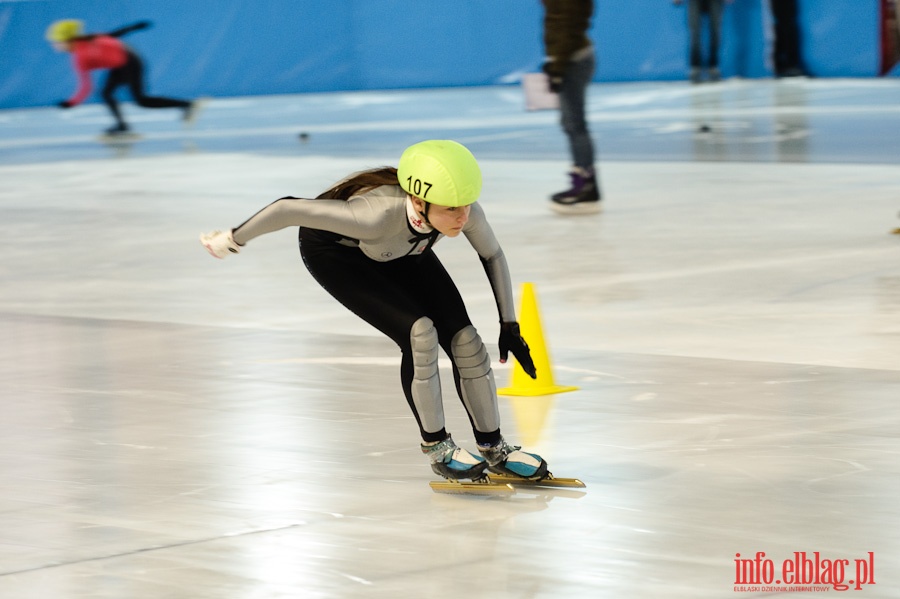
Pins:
<point x="446" y="219"/>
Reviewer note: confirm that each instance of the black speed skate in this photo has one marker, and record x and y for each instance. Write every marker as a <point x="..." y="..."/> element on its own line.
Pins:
<point x="119" y="134"/>
<point x="118" y="130"/>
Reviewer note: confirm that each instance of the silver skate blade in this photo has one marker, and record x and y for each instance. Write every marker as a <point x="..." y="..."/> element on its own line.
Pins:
<point x="119" y="138"/>
<point x="548" y="481"/>
<point x="481" y="488"/>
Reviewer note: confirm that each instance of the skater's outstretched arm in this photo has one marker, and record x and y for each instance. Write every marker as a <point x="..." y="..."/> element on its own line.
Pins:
<point x="366" y="218"/>
<point x="83" y="90"/>
<point x="361" y="219"/>
<point x="129" y="28"/>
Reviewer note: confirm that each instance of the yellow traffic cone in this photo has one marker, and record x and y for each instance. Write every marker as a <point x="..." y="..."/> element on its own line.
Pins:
<point x="530" y="326"/>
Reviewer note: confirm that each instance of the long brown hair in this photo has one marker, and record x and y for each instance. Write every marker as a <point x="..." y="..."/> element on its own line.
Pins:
<point x="360" y="182"/>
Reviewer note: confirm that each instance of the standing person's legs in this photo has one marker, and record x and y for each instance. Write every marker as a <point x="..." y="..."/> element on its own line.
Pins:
<point x="696" y="47"/>
<point x="786" y="53"/>
<point x="572" y="100"/>
<point x="778" y="27"/>
<point x="791" y="15"/>
<point x="584" y="195"/>
<point x="715" y="29"/>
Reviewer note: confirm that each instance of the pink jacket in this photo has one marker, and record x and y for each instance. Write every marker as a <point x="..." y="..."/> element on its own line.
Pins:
<point x="99" y="52"/>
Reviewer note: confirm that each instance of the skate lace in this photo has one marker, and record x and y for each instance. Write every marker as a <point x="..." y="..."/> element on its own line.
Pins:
<point x="498" y="453"/>
<point x="439" y="452"/>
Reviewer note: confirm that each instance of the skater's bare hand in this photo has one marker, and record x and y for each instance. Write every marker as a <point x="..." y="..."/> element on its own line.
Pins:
<point x="511" y="341"/>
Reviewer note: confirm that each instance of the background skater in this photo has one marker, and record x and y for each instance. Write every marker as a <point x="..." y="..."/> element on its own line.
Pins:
<point x="98" y="51"/>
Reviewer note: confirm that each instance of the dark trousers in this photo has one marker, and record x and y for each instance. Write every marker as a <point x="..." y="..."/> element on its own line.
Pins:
<point x="713" y="10"/>
<point x="572" y="99"/>
<point x="786" y="55"/>
<point x="131" y="74"/>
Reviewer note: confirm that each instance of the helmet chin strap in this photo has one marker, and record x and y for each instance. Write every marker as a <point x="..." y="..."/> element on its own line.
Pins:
<point x="423" y="214"/>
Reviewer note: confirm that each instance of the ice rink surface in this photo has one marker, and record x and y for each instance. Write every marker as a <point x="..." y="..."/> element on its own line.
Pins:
<point x="179" y="427"/>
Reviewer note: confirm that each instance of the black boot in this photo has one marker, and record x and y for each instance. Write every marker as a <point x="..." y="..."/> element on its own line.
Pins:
<point x="582" y="198"/>
<point x="120" y="129"/>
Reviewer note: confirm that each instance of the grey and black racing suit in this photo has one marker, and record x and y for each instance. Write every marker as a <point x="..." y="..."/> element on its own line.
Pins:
<point x="375" y="256"/>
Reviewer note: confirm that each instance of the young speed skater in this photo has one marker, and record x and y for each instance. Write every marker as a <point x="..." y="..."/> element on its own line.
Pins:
<point x="368" y="241"/>
<point x="104" y="51"/>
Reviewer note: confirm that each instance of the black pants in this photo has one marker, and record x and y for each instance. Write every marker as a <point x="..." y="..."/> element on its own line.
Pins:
<point x="713" y="10"/>
<point x="132" y="75"/>
<point x="392" y="296"/>
<point x="786" y="54"/>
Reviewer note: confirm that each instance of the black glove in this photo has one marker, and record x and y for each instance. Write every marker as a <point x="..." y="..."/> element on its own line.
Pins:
<point x="554" y="80"/>
<point x="511" y="341"/>
<point x="556" y="84"/>
<point x="65" y="104"/>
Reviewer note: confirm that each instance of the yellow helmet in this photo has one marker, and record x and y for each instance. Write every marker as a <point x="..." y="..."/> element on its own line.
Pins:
<point x="63" y="31"/>
<point x="441" y="172"/>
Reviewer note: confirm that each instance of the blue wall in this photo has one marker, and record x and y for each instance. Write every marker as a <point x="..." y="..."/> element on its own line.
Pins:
<point x="251" y="47"/>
